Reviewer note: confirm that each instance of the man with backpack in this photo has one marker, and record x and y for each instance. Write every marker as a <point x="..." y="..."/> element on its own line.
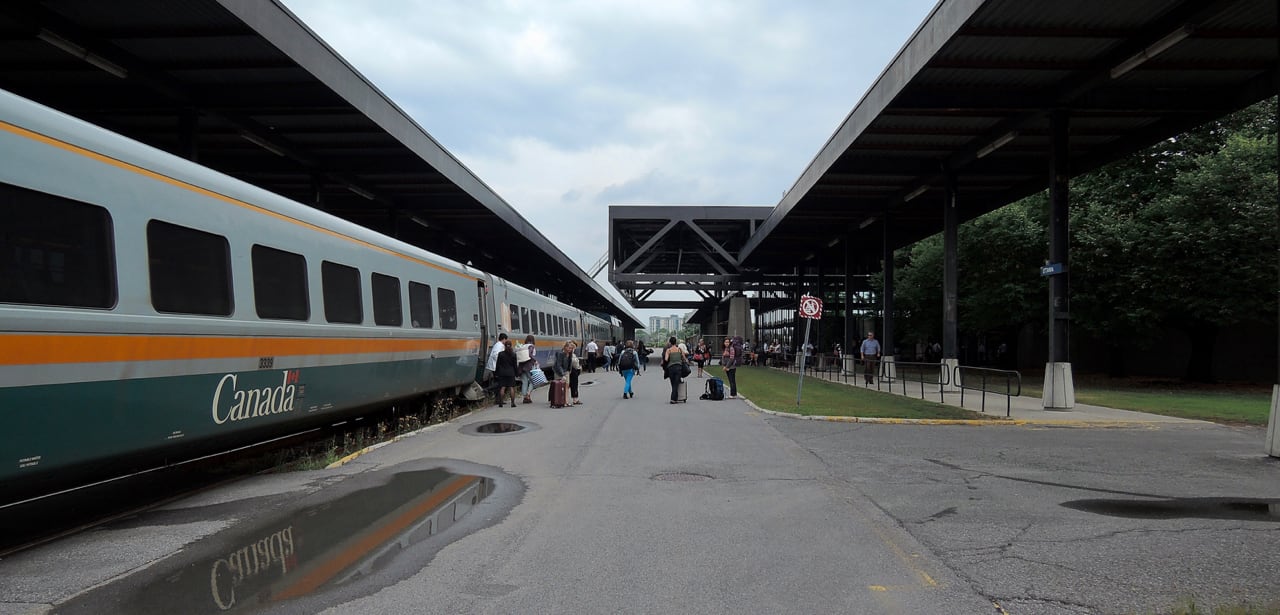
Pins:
<point x="628" y="362"/>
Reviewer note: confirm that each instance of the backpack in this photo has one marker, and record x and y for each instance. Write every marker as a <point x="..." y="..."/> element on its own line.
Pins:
<point x="627" y="360"/>
<point x="735" y="354"/>
<point x="715" y="390"/>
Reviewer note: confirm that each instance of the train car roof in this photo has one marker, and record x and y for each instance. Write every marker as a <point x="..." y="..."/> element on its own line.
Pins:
<point x="246" y="88"/>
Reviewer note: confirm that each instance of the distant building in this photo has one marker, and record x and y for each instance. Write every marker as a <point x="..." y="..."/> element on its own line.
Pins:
<point x="666" y="323"/>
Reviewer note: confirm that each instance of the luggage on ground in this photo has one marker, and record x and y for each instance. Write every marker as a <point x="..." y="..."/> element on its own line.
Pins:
<point x="558" y="394"/>
<point x="715" y="390"/>
<point x="537" y="378"/>
<point x="682" y="392"/>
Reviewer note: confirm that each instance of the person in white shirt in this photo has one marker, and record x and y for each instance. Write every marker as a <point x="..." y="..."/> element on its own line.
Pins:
<point x="491" y="363"/>
<point x="592" y="353"/>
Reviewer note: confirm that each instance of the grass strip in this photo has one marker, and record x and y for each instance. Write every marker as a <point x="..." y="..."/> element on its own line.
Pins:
<point x="1222" y="404"/>
<point x="775" y="390"/>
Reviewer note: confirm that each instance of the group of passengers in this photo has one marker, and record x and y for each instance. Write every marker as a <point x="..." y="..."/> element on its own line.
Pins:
<point x="508" y="362"/>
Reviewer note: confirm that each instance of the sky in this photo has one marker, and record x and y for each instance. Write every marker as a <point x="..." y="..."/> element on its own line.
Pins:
<point x="564" y="107"/>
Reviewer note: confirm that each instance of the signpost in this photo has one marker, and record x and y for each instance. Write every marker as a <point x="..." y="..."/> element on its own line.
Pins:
<point x="810" y="308"/>
<point x="1051" y="269"/>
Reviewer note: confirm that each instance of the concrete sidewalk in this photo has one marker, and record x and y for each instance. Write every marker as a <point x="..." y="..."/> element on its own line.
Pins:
<point x="1021" y="410"/>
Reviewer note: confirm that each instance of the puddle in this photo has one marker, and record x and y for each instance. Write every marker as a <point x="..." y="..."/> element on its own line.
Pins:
<point x="681" y="477"/>
<point x="497" y="428"/>
<point x="1184" y="508"/>
<point x="315" y="557"/>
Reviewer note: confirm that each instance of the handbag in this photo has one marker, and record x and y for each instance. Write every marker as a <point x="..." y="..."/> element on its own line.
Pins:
<point x="537" y="378"/>
<point x="574" y="364"/>
<point x="522" y="353"/>
<point x="685" y="370"/>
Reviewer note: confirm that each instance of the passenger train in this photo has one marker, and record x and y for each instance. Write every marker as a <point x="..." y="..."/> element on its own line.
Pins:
<point x="152" y="309"/>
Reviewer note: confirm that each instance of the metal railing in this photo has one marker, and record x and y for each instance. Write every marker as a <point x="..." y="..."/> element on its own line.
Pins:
<point x="985" y="379"/>
<point x="924" y="373"/>
<point x="887" y="374"/>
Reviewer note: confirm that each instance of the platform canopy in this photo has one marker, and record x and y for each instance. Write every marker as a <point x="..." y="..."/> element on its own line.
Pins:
<point x="970" y="96"/>
<point x="244" y="87"/>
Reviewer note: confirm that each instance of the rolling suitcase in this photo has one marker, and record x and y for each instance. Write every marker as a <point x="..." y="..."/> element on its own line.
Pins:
<point x="558" y="393"/>
<point x="682" y="392"/>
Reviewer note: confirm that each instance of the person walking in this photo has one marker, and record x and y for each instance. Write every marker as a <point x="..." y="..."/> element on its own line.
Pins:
<point x="504" y="370"/>
<point x="700" y="356"/>
<point x="628" y="363"/>
<point x="675" y="360"/>
<point x="575" y="370"/>
<point x="643" y="351"/>
<point x="608" y="352"/>
<point x="491" y="364"/>
<point x="870" y="352"/>
<point x="592" y="349"/>
<point x="527" y="367"/>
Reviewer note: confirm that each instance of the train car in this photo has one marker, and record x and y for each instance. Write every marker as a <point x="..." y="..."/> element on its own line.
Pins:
<point x="152" y="309"/>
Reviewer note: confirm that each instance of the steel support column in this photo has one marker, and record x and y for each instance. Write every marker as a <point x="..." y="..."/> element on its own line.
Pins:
<point x="849" y="323"/>
<point x="1059" y="388"/>
<point x="794" y="308"/>
<point x="950" y="267"/>
<point x="817" y="335"/>
<point x="886" y="333"/>
<point x="950" y="278"/>
<point x="1273" y="422"/>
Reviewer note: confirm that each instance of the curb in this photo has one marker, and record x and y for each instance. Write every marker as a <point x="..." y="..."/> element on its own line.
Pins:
<point x="969" y="422"/>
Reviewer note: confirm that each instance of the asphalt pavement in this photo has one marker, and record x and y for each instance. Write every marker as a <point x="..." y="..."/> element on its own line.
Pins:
<point x="641" y="506"/>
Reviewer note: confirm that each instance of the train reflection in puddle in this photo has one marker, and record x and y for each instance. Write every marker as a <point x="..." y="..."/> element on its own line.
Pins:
<point x="319" y="548"/>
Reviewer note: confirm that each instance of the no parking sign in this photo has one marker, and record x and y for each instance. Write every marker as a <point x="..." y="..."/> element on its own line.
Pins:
<point x="810" y="307"/>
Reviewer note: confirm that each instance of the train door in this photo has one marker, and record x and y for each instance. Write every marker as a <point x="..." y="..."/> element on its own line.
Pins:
<point x="488" y="322"/>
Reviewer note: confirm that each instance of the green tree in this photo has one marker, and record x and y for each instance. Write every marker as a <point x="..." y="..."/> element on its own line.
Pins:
<point x="1154" y="237"/>
<point x="998" y="288"/>
<point x="1210" y="245"/>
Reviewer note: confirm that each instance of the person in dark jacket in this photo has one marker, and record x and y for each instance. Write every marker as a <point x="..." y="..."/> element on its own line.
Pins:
<point x="505" y="371"/>
<point x="675" y="360"/>
<point x="567" y="367"/>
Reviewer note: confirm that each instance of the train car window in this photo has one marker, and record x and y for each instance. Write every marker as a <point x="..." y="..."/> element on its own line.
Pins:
<point x="55" y="251"/>
<point x="542" y="321"/>
<point x="421" y="313"/>
<point x="280" y="284"/>
<point x="448" y="308"/>
<point x="387" y="311"/>
<point x="535" y="318"/>
<point x="341" y="285"/>
<point x="556" y="326"/>
<point x="190" y="270"/>
<point x="515" y="318"/>
<point x="524" y="319"/>
<point x="562" y="325"/>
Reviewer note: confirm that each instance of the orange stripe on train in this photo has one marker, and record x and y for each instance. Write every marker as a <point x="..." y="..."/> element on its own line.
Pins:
<point x="56" y="349"/>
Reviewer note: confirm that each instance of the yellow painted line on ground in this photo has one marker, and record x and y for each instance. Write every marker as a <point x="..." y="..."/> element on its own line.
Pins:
<point x="994" y="422"/>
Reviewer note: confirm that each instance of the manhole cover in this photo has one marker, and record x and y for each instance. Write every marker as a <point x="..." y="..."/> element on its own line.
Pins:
<point x="681" y="477"/>
<point x="497" y="428"/>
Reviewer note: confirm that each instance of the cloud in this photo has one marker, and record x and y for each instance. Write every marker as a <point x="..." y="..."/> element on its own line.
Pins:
<point x="566" y="107"/>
